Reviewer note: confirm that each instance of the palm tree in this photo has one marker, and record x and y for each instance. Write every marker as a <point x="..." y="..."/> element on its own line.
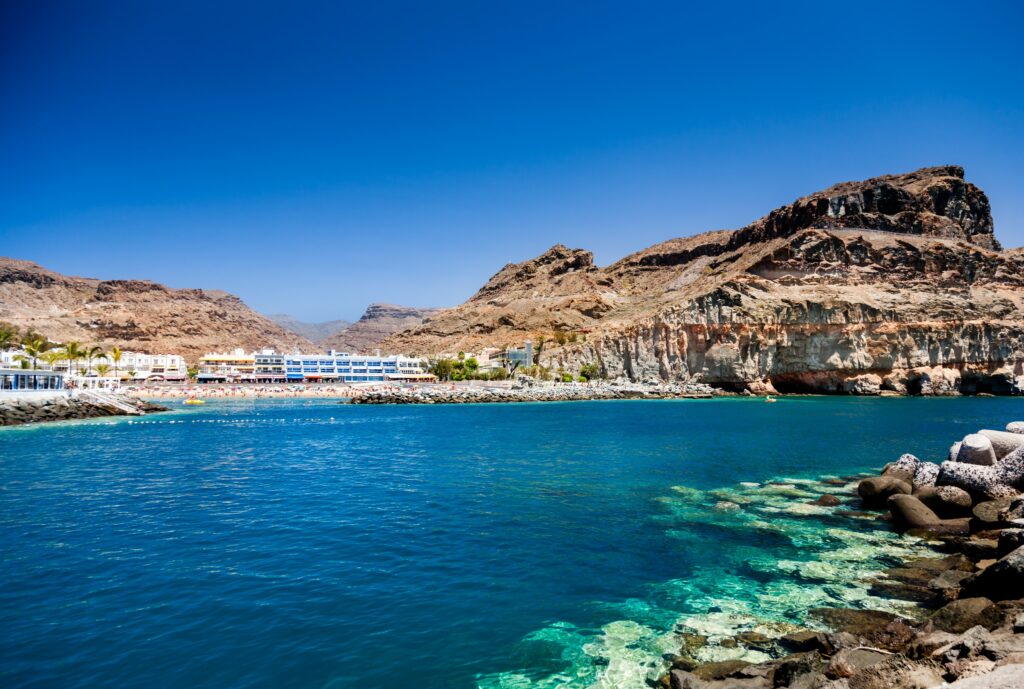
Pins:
<point x="8" y="336"/>
<point x="93" y="352"/>
<point x="102" y="369"/>
<point x="52" y="357"/>
<point x="34" y="348"/>
<point x="72" y="352"/>
<point x="115" y="356"/>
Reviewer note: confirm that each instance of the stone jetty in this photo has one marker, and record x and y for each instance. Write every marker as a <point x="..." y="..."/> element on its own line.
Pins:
<point x="968" y="629"/>
<point x="538" y="393"/>
<point x="64" y="407"/>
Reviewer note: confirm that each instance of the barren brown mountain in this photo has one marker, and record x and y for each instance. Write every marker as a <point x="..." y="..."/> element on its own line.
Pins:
<point x="134" y="314"/>
<point x="894" y="283"/>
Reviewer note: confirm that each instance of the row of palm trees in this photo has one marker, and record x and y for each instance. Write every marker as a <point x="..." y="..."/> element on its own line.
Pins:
<point x="35" y="348"/>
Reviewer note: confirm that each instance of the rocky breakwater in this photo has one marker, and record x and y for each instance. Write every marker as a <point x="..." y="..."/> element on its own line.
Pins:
<point x="554" y="393"/>
<point x="967" y="627"/>
<point x="18" y="411"/>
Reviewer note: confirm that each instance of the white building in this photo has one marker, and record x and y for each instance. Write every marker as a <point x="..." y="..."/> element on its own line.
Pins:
<point x="267" y="366"/>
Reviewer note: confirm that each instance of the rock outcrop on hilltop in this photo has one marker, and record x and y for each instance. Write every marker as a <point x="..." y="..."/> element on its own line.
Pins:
<point x="895" y="283"/>
<point x="377" y="323"/>
<point x="134" y="314"/>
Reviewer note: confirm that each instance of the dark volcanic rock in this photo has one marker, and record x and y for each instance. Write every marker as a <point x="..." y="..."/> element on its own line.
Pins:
<point x="960" y="615"/>
<point x="1003" y="580"/>
<point x="876" y="490"/>
<point x="882" y="629"/>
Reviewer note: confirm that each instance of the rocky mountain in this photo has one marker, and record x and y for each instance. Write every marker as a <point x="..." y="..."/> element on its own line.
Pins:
<point x="894" y="283"/>
<point x="134" y="314"/>
<point x="377" y="323"/>
<point x="314" y="332"/>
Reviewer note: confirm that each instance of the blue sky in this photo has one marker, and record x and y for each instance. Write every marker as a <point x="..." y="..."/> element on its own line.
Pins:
<point x="314" y="157"/>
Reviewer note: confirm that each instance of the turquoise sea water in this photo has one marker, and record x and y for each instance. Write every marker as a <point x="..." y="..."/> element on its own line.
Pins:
<point x="312" y="544"/>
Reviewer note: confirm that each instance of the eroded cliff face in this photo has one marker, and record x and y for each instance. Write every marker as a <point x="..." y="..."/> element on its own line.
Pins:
<point x="896" y="283"/>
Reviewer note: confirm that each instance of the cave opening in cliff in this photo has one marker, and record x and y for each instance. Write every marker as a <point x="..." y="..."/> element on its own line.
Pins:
<point x="786" y="385"/>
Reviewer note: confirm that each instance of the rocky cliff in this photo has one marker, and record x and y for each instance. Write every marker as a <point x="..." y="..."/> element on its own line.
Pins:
<point x="894" y="283"/>
<point x="377" y="323"/>
<point x="133" y="314"/>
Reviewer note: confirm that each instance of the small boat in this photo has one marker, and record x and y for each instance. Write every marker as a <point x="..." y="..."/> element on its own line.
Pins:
<point x="193" y="400"/>
<point x="769" y="398"/>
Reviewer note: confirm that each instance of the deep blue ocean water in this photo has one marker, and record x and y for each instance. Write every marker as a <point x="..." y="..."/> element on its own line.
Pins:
<point x="311" y="544"/>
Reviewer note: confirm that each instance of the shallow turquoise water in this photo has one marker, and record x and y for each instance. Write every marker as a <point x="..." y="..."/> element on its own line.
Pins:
<point x="311" y="544"/>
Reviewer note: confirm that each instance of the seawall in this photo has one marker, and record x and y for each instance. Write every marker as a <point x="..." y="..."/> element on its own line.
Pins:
<point x="65" y="406"/>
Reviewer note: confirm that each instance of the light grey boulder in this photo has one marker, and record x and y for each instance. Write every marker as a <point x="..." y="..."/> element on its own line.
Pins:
<point x="1004" y="443"/>
<point x="1004" y="677"/>
<point x="925" y="474"/>
<point x="1015" y="427"/>
<point x="903" y="468"/>
<point x="977" y="480"/>
<point x="976" y="449"/>
<point x="1010" y="469"/>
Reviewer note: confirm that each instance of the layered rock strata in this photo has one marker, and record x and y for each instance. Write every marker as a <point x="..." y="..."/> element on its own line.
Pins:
<point x="892" y="284"/>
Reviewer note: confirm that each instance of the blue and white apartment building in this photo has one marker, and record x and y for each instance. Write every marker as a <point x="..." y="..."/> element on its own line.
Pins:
<point x="268" y="366"/>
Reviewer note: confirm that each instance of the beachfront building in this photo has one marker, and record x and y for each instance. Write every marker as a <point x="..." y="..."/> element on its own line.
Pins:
<point x="516" y="358"/>
<point x="19" y="380"/>
<point x="136" y="366"/>
<point x="269" y="367"/>
<point x="335" y="367"/>
<point x="227" y="367"/>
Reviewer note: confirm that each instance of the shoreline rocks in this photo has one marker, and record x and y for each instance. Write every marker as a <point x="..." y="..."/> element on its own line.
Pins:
<point x="968" y="628"/>
<point x="554" y="393"/>
<point x="20" y="411"/>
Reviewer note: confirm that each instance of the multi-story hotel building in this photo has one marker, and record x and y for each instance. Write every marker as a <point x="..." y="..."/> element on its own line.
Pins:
<point x="139" y="366"/>
<point x="227" y="367"/>
<point x="267" y="366"/>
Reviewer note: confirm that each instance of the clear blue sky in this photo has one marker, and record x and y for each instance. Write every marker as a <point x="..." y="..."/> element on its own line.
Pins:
<point x="313" y="157"/>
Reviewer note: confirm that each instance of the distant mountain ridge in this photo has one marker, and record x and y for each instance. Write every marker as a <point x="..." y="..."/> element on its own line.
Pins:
<point x="377" y="323"/>
<point x="314" y="332"/>
<point x="137" y="315"/>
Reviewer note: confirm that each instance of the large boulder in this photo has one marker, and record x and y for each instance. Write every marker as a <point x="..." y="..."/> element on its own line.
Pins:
<point x="926" y="473"/>
<point x="946" y="501"/>
<point x="976" y="449"/>
<point x="960" y="615"/>
<point x="1003" y="580"/>
<point x="910" y="513"/>
<point x="903" y="468"/>
<point x="1002" y="442"/>
<point x="1010" y="540"/>
<point x="982" y="482"/>
<point x="876" y="490"/>
<point x="1010" y="469"/>
<point x="1015" y="427"/>
<point x="1003" y="677"/>
<point x="1015" y="511"/>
